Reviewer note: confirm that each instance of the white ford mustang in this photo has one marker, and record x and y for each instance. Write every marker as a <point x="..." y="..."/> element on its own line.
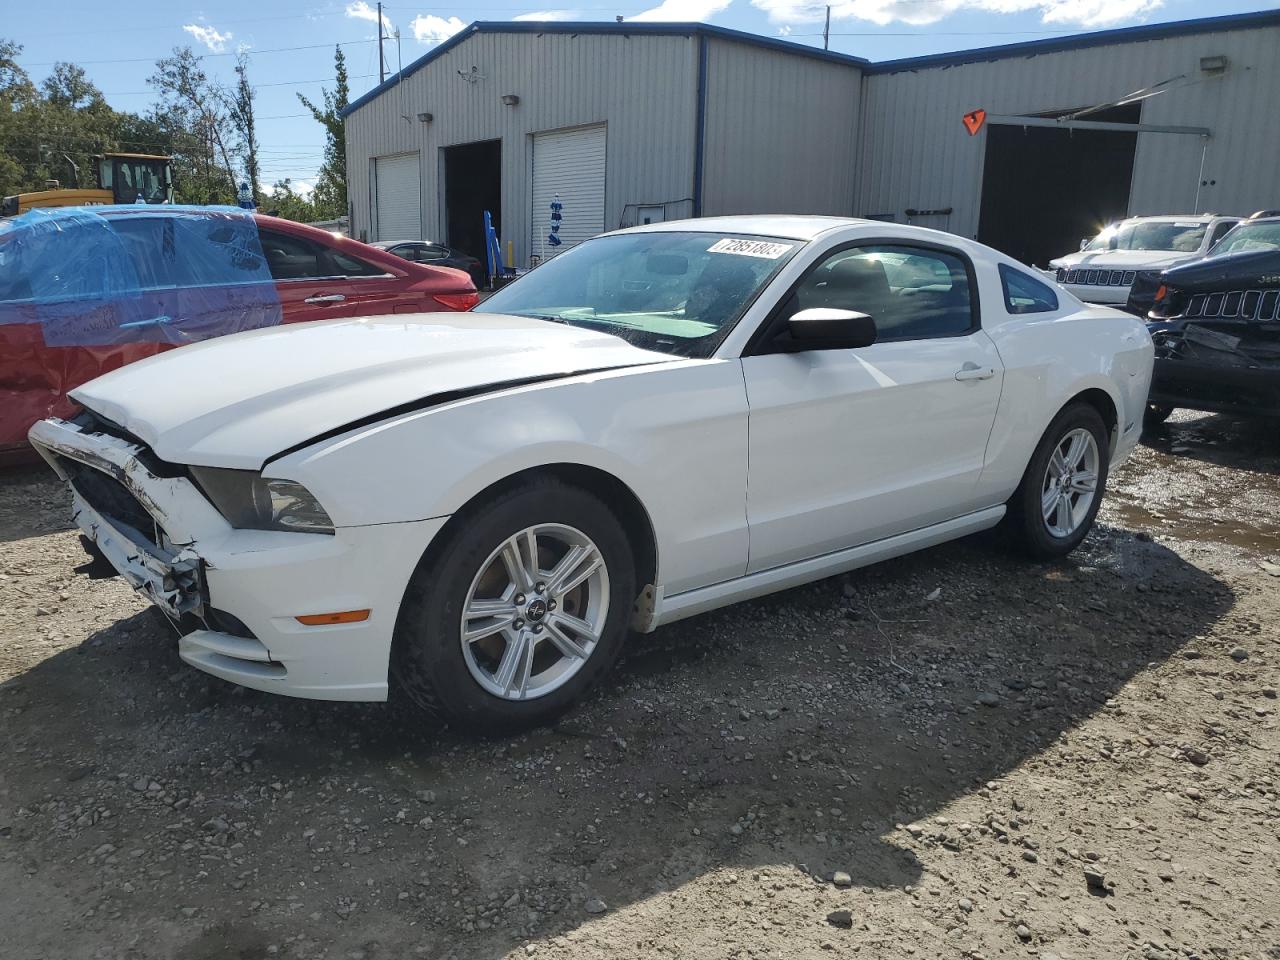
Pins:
<point x="656" y="423"/>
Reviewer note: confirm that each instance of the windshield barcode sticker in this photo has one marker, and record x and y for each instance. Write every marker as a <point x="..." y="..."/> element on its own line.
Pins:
<point x="750" y="248"/>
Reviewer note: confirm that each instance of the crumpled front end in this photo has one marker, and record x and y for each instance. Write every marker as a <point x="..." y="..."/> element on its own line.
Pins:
<point x="252" y="604"/>
<point x="1217" y="366"/>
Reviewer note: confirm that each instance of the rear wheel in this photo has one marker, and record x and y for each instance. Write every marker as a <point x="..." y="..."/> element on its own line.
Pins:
<point x="1061" y="491"/>
<point x="523" y="610"/>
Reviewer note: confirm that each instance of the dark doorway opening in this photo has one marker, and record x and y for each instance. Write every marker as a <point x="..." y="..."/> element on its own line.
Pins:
<point x="472" y="185"/>
<point x="1043" y="189"/>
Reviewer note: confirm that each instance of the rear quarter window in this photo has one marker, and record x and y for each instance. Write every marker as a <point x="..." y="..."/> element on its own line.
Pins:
<point x="350" y="266"/>
<point x="1023" y="293"/>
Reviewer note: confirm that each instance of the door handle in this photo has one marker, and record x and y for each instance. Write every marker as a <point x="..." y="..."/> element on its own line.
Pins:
<point x="326" y="298"/>
<point x="971" y="371"/>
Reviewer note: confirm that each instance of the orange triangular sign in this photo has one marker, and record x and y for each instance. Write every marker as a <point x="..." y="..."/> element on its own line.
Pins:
<point x="973" y="121"/>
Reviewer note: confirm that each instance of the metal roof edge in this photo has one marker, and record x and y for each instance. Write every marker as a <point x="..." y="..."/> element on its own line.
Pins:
<point x="603" y="27"/>
<point x="1079" y="41"/>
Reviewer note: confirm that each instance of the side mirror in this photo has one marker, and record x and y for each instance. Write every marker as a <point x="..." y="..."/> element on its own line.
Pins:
<point x="824" y="328"/>
<point x="1084" y="242"/>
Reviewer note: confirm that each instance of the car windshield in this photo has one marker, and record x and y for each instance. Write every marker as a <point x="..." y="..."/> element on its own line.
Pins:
<point x="1250" y="236"/>
<point x="674" y="292"/>
<point x="1151" y="235"/>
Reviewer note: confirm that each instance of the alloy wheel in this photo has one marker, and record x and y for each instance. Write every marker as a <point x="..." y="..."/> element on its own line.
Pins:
<point x="535" y="611"/>
<point x="1070" y="483"/>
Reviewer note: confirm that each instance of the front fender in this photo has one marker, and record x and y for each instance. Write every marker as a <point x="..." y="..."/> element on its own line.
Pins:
<point x="675" y="434"/>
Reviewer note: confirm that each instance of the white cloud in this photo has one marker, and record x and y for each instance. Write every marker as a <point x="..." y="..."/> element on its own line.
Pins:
<point x="428" y="28"/>
<point x="1096" y="13"/>
<point x="210" y="37"/>
<point x="1089" y="13"/>
<point x="682" y="10"/>
<point x="363" y="11"/>
<point x="545" y="15"/>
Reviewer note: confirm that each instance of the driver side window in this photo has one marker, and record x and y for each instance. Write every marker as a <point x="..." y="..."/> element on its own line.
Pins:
<point x="292" y="258"/>
<point x="912" y="293"/>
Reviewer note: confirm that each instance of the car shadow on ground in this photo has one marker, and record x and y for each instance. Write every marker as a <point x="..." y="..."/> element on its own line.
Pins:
<point x="796" y="732"/>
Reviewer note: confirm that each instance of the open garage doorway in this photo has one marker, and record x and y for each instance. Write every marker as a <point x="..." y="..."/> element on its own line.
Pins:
<point x="1043" y="189"/>
<point x="472" y="185"/>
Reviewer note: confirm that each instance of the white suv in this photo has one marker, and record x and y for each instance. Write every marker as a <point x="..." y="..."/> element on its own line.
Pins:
<point x="1104" y="268"/>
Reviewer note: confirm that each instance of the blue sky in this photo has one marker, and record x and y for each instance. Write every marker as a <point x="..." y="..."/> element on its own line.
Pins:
<point x="119" y="56"/>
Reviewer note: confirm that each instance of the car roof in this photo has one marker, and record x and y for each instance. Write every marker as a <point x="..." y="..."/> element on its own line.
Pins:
<point x="1180" y="218"/>
<point x="768" y="225"/>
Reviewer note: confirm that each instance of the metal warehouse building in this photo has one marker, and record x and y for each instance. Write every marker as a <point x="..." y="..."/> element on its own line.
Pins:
<point x="631" y="122"/>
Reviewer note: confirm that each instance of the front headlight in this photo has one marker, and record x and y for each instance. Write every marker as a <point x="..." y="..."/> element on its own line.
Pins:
<point x="251" y="501"/>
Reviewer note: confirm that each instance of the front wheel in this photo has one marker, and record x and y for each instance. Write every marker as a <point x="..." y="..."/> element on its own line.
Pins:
<point x="1061" y="491"/>
<point x="522" y="611"/>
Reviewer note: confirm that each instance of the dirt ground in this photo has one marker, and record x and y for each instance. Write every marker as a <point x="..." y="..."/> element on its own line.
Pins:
<point x="958" y="754"/>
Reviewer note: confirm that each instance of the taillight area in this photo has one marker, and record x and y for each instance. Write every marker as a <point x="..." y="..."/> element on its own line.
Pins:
<point x="456" y="301"/>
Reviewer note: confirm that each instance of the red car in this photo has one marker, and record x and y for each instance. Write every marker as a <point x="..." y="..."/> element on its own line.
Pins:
<point x="51" y="343"/>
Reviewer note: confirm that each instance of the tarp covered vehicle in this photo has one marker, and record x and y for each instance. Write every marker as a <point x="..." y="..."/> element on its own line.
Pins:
<point x="86" y="290"/>
<point x="1216" y="328"/>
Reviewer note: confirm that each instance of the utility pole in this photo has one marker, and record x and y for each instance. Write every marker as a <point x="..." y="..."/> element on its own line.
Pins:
<point x="826" y="30"/>
<point x="382" y="64"/>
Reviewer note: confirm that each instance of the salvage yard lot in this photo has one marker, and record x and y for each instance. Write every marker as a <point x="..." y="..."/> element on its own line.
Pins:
<point x="924" y="758"/>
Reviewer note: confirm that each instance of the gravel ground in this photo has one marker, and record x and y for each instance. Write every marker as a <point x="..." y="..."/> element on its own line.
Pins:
<point x="957" y="754"/>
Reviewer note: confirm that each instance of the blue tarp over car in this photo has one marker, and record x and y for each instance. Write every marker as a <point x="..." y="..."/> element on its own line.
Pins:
<point x="101" y="276"/>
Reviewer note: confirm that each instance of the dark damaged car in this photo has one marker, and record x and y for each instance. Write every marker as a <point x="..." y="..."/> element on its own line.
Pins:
<point x="1216" y="328"/>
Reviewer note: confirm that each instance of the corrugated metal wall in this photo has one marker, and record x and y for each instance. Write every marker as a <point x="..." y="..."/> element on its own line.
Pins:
<point x="643" y="86"/>
<point x="780" y="132"/>
<point x="914" y="152"/>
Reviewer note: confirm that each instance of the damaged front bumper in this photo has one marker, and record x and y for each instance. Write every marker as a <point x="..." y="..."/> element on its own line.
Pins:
<point x="242" y="589"/>
<point x="1216" y="368"/>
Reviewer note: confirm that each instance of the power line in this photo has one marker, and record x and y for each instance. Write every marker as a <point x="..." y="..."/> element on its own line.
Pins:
<point x="281" y="83"/>
<point x="179" y="26"/>
<point x="209" y="56"/>
<point x="69" y="138"/>
<point x="320" y="15"/>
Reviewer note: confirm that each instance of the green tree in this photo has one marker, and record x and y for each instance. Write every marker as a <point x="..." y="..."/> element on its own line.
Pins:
<point x="241" y="109"/>
<point x="15" y="89"/>
<point x="15" y="85"/>
<point x="283" y="201"/>
<point x="51" y="132"/>
<point x="192" y="109"/>
<point x="69" y="86"/>
<point x="330" y="195"/>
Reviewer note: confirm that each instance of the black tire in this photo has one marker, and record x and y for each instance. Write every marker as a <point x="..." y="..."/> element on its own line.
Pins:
<point x="1025" y="516"/>
<point x="427" y="660"/>
<point x="1156" y="414"/>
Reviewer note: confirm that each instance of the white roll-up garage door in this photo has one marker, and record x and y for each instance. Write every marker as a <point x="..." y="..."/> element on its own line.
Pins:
<point x="398" y="192"/>
<point x="569" y="163"/>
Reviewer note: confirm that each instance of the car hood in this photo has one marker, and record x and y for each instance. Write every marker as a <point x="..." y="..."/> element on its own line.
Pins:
<point x="1255" y="268"/>
<point x="238" y="401"/>
<point x="1121" y="259"/>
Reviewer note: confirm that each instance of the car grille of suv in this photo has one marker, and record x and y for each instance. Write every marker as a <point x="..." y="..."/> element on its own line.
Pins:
<point x="1234" y="305"/>
<point x="1097" y="278"/>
